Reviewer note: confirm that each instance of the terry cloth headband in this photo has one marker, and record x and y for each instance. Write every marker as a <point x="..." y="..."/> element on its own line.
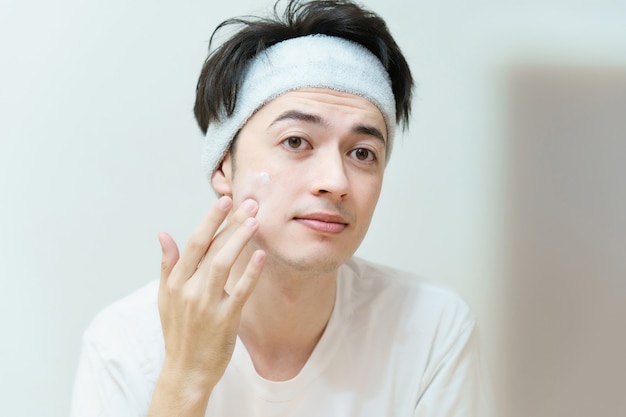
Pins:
<point x="309" y="61"/>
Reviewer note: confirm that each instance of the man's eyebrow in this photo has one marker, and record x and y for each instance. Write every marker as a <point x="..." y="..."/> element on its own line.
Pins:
<point x="314" y="118"/>
<point x="298" y="115"/>
<point x="370" y="131"/>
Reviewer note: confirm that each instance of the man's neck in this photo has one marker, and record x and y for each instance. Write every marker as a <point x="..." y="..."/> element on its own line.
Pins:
<point x="285" y="318"/>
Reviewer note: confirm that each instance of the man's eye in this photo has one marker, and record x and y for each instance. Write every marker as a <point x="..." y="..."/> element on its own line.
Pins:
<point x="363" y="154"/>
<point x="294" y="142"/>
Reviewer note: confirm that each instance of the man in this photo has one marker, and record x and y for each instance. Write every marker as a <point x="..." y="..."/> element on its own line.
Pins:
<point x="269" y="314"/>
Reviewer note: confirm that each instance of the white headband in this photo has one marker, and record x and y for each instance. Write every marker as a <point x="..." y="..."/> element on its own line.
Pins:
<point x="310" y="61"/>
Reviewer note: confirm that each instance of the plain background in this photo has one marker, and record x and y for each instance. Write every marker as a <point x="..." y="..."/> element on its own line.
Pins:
<point x="99" y="152"/>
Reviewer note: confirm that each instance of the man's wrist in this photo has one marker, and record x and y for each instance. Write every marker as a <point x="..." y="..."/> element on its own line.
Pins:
<point x="185" y="378"/>
<point x="180" y="392"/>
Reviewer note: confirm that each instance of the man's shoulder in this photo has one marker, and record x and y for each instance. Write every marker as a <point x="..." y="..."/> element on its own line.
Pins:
<point x="122" y="354"/>
<point x="132" y="319"/>
<point x="410" y="295"/>
<point x="383" y="276"/>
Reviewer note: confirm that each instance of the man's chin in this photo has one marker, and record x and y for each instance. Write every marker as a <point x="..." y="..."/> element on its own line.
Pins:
<point x="305" y="254"/>
<point x="309" y="265"/>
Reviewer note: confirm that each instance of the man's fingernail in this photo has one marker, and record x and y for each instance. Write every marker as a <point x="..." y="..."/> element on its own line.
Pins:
<point x="249" y="205"/>
<point x="259" y="256"/>
<point x="224" y="203"/>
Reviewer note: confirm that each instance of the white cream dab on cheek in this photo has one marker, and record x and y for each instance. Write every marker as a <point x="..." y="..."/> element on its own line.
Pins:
<point x="264" y="178"/>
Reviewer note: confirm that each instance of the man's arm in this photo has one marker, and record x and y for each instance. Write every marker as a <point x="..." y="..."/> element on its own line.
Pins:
<point x="199" y="319"/>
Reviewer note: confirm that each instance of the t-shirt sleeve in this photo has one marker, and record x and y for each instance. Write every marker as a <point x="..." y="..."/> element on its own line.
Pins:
<point x="121" y="356"/>
<point x="87" y="400"/>
<point x="459" y="386"/>
<point x="108" y="384"/>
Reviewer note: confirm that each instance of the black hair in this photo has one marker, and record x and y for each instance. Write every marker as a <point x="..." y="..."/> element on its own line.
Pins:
<point x="223" y="70"/>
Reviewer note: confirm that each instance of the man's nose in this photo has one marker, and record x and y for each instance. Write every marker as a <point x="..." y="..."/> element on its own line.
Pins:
<point x="329" y="175"/>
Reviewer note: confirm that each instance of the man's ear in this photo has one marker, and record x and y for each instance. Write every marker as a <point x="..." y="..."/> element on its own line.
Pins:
<point x="222" y="177"/>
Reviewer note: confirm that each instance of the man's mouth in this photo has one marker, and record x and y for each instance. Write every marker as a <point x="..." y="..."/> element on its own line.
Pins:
<point x="323" y="222"/>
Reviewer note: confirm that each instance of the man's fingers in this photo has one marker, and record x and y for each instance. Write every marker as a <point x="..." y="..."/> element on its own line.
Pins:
<point x="204" y="236"/>
<point x="201" y="238"/>
<point x="218" y="268"/>
<point x="246" y="284"/>
<point x="169" y="255"/>
<point x="247" y="209"/>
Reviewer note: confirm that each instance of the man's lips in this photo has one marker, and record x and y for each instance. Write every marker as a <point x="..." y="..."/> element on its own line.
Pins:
<point x="323" y="222"/>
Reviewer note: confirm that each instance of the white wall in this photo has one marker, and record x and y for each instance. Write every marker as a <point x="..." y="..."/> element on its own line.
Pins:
<point x="99" y="152"/>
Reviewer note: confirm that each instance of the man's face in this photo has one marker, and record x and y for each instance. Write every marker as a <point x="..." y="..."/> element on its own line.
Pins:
<point x="314" y="160"/>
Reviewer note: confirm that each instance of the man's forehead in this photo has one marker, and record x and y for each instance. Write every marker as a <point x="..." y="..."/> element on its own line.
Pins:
<point x="320" y="106"/>
<point x="319" y="98"/>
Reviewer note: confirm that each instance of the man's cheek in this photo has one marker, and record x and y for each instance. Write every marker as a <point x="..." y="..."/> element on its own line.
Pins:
<point x="254" y="185"/>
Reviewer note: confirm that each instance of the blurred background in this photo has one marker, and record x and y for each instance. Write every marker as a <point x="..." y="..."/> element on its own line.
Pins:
<point x="509" y="185"/>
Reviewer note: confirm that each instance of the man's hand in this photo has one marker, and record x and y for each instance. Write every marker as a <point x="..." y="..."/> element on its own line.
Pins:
<point x="199" y="318"/>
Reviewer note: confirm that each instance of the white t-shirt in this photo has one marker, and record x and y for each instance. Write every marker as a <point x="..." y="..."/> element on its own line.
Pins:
<point x="395" y="345"/>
